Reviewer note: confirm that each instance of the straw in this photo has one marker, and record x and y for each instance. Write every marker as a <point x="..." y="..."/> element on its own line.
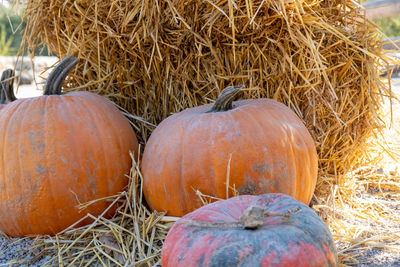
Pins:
<point x="152" y="58"/>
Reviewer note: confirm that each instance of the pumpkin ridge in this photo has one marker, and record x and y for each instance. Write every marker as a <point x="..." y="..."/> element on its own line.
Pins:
<point x="233" y="155"/>
<point x="292" y="176"/>
<point x="64" y="105"/>
<point x="228" y="119"/>
<point x="265" y="135"/>
<point x="100" y="136"/>
<point x="307" y="183"/>
<point x="3" y="169"/>
<point x="117" y="136"/>
<point x="214" y="159"/>
<point x="97" y="118"/>
<point x="17" y="108"/>
<point x="184" y="197"/>
<point x="310" y="151"/>
<point x="49" y="178"/>
<point x="114" y="134"/>
<point x="292" y="158"/>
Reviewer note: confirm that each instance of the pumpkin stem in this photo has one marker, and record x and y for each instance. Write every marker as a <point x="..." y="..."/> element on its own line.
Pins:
<point x="225" y="99"/>
<point x="253" y="216"/>
<point x="251" y="219"/>
<point x="58" y="74"/>
<point x="7" y="87"/>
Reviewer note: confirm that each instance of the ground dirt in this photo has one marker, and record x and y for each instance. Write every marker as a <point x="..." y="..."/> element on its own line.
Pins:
<point x="376" y="240"/>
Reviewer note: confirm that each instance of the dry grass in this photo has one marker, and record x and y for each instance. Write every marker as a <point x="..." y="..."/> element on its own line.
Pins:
<point x="363" y="213"/>
<point x="362" y="207"/>
<point x="154" y="58"/>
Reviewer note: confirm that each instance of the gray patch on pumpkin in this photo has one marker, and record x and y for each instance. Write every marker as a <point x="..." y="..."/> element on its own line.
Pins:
<point x="63" y="159"/>
<point x="261" y="168"/>
<point x="248" y="188"/>
<point x="36" y="141"/>
<point x="200" y="262"/>
<point x="91" y="174"/>
<point x="226" y="256"/>
<point x="41" y="170"/>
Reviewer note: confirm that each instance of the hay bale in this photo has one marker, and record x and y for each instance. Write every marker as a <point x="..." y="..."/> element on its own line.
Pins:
<point x="154" y="58"/>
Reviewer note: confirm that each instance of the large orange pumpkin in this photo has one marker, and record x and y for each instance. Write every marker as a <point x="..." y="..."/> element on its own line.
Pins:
<point x="257" y="146"/>
<point x="7" y="88"/>
<point x="57" y="151"/>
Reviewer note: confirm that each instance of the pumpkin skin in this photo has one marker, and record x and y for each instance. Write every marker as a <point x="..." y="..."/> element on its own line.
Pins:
<point x="267" y="145"/>
<point x="58" y="151"/>
<point x="299" y="240"/>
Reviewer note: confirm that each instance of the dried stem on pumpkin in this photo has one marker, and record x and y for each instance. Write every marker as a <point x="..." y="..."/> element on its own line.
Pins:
<point x="58" y="74"/>
<point x="7" y="87"/>
<point x="252" y="218"/>
<point x="225" y="99"/>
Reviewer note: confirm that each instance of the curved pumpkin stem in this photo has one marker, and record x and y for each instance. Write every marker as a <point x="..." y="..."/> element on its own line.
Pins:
<point x="58" y="74"/>
<point x="7" y="87"/>
<point x="225" y="99"/>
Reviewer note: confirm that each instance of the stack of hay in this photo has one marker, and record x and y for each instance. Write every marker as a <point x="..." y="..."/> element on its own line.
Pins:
<point x="155" y="58"/>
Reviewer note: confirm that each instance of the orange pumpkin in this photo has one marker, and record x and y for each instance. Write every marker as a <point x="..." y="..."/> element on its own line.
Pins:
<point x="57" y="151"/>
<point x="257" y="146"/>
<point x="7" y="88"/>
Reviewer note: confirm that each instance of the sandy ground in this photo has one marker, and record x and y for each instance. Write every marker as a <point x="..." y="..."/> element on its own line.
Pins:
<point x="30" y="70"/>
<point x="12" y="251"/>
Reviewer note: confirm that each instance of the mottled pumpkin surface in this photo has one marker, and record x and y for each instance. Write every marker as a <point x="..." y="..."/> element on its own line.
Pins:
<point x="56" y="152"/>
<point x="263" y="143"/>
<point x="300" y="240"/>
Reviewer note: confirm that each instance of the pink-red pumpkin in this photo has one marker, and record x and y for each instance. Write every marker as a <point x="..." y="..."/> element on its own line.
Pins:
<point x="257" y="146"/>
<point x="266" y="230"/>
<point x="57" y="151"/>
<point x="7" y="88"/>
